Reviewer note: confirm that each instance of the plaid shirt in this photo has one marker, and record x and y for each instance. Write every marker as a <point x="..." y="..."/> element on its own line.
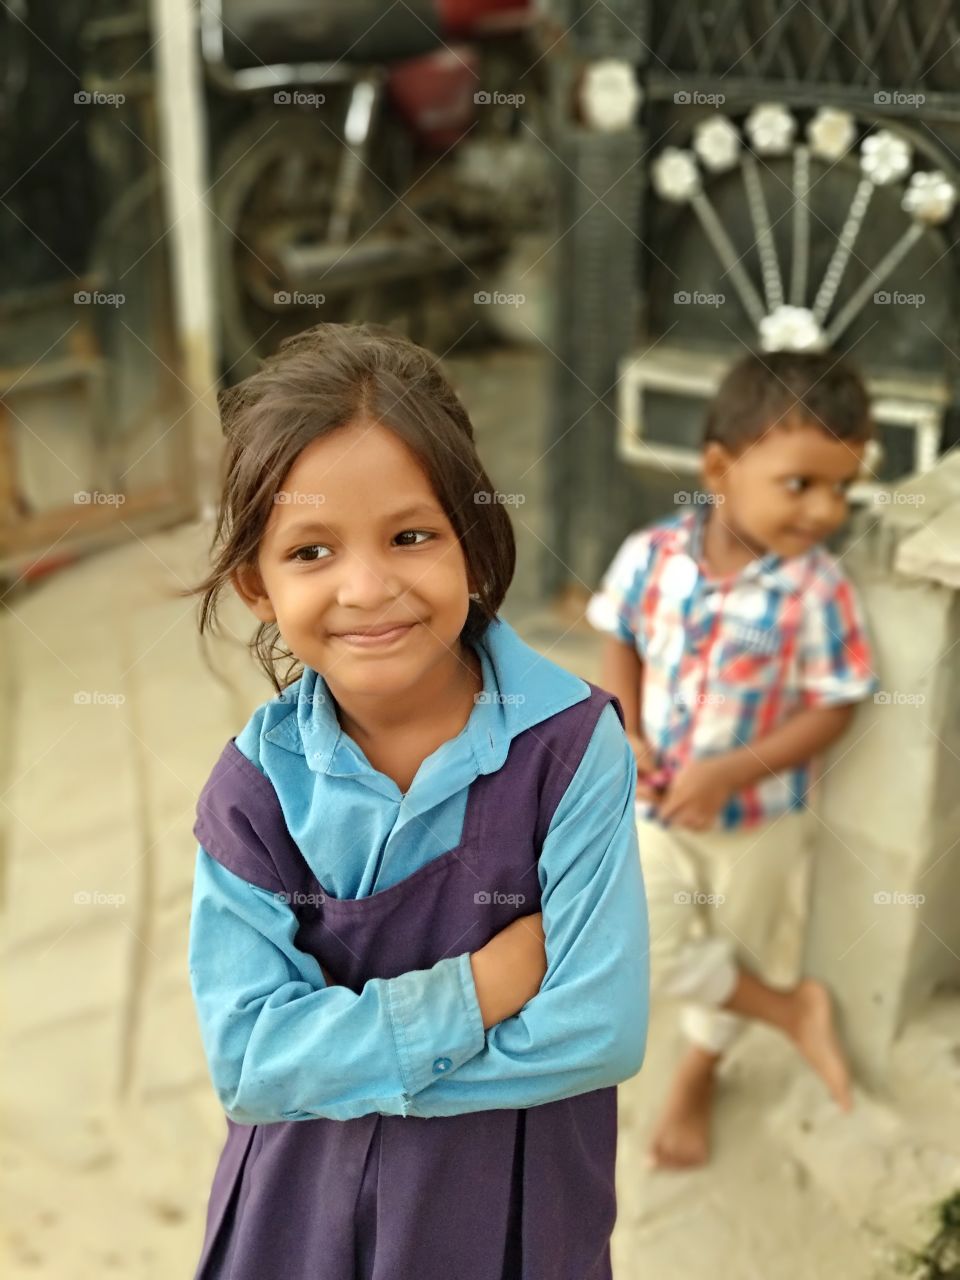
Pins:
<point x="727" y="659"/>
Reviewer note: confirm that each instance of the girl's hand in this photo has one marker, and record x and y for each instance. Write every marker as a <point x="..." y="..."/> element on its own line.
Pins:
<point x="507" y="972"/>
<point x="697" y="794"/>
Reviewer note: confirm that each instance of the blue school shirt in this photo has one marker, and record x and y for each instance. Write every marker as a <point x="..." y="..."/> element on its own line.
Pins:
<point x="282" y="1045"/>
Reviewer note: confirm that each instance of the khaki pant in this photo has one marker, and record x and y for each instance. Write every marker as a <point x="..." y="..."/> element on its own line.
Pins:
<point x="715" y="899"/>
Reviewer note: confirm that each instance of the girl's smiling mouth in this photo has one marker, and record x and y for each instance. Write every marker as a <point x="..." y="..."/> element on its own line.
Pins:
<point x="376" y="637"/>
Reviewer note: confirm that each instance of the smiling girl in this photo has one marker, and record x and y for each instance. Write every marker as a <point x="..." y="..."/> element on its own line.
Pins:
<point x="418" y="937"/>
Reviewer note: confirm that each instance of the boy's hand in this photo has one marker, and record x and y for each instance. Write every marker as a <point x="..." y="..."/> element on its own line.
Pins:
<point x="697" y="794"/>
<point x="646" y="764"/>
<point x="646" y="756"/>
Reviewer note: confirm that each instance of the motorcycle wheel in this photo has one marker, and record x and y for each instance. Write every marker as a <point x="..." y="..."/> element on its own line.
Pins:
<point x="274" y="179"/>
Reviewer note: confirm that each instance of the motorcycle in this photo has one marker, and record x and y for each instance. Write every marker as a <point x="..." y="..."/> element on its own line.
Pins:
<point x="370" y="162"/>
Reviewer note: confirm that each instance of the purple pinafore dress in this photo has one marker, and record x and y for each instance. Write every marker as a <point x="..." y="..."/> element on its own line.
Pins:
<point x="518" y="1194"/>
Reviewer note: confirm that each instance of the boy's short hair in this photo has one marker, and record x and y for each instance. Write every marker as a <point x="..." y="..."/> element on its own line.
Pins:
<point x="782" y="388"/>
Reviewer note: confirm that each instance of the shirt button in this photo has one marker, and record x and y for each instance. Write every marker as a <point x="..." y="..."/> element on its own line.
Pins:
<point x="440" y="1065"/>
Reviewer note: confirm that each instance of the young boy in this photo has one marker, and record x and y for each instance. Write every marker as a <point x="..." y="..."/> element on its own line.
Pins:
<point x="737" y="649"/>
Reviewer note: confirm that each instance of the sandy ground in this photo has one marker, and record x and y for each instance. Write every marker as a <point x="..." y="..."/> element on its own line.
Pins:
<point x="112" y="1131"/>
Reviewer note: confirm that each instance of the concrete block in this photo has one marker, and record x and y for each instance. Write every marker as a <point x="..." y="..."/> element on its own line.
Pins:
<point x="933" y="551"/>
<point x="858" y="943"/>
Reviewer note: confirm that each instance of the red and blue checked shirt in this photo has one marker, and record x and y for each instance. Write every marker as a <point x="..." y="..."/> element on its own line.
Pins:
<point x="728" y="659"/>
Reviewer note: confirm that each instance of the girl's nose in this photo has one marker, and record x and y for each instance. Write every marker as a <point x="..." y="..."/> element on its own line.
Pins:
<point x="365" y="583"/>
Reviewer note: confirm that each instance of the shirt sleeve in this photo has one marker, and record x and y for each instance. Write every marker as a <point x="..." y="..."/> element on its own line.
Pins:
<point x="836" y="662"/>
<point x="614" y="608"/>
<point x="282" y="1045"/>
<point x="587" y="1026"/>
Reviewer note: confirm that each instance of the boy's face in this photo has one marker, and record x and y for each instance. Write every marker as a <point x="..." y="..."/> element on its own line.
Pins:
<point x="358" y="540"/>
<point x="786" y="491"/>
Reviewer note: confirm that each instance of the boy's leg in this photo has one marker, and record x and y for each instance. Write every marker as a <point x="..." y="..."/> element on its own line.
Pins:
<point x="749" y="875"/>
<point x="753" y="871"/>
<point x="682" y="966"/>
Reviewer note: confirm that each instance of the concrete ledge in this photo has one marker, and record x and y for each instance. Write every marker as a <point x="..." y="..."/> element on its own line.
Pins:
<point x="933" y="552"/>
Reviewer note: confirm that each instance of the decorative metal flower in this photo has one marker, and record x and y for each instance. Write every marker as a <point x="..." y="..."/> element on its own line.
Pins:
<point x="717" y="143"/>
<point x="791" y="329"/>
<point x="675" y="175"/>
<point x="831" y="133"/>
<point x="930" y="197"/>
<point x="770" y="128"/>
<point x="680" y="175"/>
<point x="610" y="95"/>
<point x="884" y="157"/>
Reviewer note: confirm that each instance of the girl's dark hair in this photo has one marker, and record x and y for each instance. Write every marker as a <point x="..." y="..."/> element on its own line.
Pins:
<point x="318" y="381"/>
<point x="779" y="388"/>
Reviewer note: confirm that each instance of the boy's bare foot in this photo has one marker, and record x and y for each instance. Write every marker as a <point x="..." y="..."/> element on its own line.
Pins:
<point x="681" y="1139"/>
<point x="805" y="1014"/>
<point x="814" y="1034"/>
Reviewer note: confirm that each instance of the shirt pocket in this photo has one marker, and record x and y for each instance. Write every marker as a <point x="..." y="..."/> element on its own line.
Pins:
<point x="751" y="657"/>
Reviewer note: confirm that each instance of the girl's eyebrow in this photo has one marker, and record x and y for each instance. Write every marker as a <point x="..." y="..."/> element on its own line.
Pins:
<point x="306" y="526"/>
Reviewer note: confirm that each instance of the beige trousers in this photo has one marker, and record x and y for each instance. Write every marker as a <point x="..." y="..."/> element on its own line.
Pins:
<point x="715" y="899"/>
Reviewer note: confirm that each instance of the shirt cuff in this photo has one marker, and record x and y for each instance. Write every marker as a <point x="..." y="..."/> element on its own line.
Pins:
<point x="840" y="694"/>
<point x="603" y="614"/>
<point x="436" y="1019"/>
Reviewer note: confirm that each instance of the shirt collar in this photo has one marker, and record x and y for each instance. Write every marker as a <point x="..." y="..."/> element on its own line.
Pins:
<point x="777" y="573"/>
<point x="521" y="688"/>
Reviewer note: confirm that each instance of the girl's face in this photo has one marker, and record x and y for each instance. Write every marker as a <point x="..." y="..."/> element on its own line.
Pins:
<point x="358" y="544"/>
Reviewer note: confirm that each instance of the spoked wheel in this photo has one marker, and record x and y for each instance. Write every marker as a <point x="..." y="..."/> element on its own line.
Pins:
<point x="274" y="189"/>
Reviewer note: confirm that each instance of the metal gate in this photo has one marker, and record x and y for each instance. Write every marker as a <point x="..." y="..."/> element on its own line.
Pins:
<point x="770" y="173"/>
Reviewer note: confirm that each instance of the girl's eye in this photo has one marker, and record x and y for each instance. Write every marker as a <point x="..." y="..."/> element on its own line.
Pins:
<point x="315" y="546"/>
<point x="795" y="484"/>
<point x="319" y="546"/>
<point x="420" y="533"/>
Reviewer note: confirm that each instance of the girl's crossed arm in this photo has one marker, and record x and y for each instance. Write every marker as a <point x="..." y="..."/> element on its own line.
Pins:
<point x="586" y="1028"/>
<point x="282" y="1044"/>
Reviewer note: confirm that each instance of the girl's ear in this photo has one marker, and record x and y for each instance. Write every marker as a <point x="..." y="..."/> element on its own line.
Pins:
<point x="249" y="587"/>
